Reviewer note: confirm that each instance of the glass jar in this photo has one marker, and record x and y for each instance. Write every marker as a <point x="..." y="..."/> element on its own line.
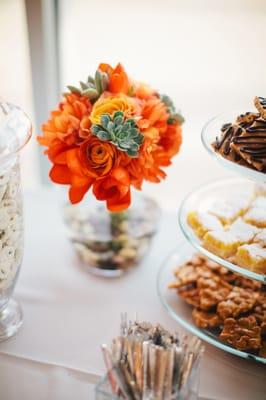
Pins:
<point x="111" y="243"/>
<point x="15" y="131"/>
<point x="103" y="389"/>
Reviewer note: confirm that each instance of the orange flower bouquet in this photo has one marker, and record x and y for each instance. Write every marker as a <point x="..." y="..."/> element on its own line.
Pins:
<point x="110" y="135"/>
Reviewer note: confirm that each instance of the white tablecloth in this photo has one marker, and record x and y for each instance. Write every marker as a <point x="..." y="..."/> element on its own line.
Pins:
<point x="69" y="313"/>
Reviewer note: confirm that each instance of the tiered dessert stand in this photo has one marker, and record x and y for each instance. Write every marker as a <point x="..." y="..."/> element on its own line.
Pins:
<point x="200" y="199"/>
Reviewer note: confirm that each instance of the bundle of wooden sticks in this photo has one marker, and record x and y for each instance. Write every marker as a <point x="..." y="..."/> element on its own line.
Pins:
<point x="148" y="362"/>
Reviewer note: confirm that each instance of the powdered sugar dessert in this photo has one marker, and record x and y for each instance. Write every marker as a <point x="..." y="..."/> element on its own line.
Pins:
<point x="241" y="236"/>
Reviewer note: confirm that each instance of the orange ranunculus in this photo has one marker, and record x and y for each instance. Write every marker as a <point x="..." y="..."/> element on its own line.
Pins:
<point x="97" y="157"/>
<point x="82" y="165"/>
<point x="118" y="79"/>
<point x="70" y="124"/>
<point x="111" y="104"/>
<point x="115" y="189"/>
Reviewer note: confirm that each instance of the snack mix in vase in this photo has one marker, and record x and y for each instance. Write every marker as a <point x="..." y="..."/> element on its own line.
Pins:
<point x="15" y="131"/>
<point x="108" y="136"/>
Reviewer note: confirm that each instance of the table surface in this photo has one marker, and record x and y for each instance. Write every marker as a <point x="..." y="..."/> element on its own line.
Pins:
<point x="69" y="313"/>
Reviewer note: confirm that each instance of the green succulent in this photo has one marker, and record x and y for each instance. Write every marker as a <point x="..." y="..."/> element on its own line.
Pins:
<point x="174" y="116"/>
<point x="120" y="131"/>
<point x="94" y="87"/>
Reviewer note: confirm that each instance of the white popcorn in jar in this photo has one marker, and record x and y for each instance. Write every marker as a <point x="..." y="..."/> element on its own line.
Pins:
<point x="11" y="226"/>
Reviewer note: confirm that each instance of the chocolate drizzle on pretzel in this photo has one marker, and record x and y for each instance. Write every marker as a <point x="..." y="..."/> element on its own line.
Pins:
<point x="244" y="141"/>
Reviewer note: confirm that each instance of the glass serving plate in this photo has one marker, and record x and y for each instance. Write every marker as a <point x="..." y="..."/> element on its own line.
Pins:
<point x="181" y="311"/>
<point x="201" y="199"/>
<point x="211" y="130"/>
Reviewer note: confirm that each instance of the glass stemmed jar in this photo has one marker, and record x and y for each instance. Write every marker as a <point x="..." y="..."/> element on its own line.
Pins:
<point x="15" y="132"/>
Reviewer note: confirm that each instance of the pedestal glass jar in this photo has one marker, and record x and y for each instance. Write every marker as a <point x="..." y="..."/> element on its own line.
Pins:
<point x="15" y="131"/>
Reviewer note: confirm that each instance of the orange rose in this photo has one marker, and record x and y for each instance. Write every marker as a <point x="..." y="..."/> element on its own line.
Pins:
<point x="115" y="189"/>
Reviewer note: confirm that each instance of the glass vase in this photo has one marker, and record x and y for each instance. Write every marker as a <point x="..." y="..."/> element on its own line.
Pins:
<point x="15" y="131"/>
<point x="103" y="389"/>
<point x="107" y="243"/>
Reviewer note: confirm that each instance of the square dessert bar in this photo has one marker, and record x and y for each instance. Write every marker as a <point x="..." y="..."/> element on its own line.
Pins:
<point x="244" y="232"/>
<point x="260" y="238"/>
<point x="256" y="216"/>
<point x="252" y="256"/>
<point x="260" y="202"/>
<point x="222" y="243"/>
<point x="202" y="222"/>
<point x="225" y="212"/>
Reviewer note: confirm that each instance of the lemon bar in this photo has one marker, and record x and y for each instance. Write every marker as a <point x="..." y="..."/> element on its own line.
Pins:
<point x="252" y="257"/>
<point x="221" y="243"/>
<point x="225" y="211"/>
<point x="256" y="216"/>
<point x="260" y="202"/>
<point x="244" y="232"/>
<point x="202" y="222"/>
<point x="260" y="238"/>
<point x="242" y="200"/>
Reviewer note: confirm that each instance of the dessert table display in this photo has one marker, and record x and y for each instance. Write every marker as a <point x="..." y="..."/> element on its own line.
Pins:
<point x="69" y="314"/>
<point x="221" y="292"/>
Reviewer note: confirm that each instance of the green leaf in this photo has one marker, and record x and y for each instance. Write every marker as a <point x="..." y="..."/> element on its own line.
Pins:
<point x="126" y="144"/>
<point x="118" y="121"/>
<point x="92" y="94"/>
<point x="83" y="85"/>
<point x="110" y="126"/>
<point x="118" y="129"/>
<point x="73" y="89"/>
<point x="139" y="139"/>
<point x="133" y="152"/>
<point x="118" y="114"/>
<point x="98" y="82"/>
<point x="134" y="132"/>
<point x="91" y="79"/>
<point x="105" y="119"/>
<point x="96" y="128"/>
<point x="105" y="81"/>
<point x="103" y="135"/>
<point x="176" y="118"/>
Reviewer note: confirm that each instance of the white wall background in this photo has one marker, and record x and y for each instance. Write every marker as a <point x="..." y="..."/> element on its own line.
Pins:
<point x="15" y="76"/>
<point x="209" y="56"/>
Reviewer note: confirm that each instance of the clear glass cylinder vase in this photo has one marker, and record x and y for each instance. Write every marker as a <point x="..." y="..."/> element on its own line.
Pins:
<point x="15" y="131"/>
<point x="107" y="243"/>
